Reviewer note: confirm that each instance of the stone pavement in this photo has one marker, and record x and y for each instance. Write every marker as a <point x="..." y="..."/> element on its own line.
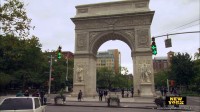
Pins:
<point x="94" y="102"/>
<point x="135" y="102"/>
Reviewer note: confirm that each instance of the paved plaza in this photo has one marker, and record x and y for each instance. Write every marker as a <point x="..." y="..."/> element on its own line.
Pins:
<point x="138" y="104"/>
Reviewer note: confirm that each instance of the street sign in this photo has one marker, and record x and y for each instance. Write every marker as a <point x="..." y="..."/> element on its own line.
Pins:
<point x="168" y="43"/>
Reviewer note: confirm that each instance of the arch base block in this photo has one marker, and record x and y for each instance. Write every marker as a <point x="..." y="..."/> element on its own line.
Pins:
<point x="146" y="90"/>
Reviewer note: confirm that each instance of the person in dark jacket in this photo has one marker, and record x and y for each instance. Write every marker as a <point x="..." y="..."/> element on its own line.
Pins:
<point x="80" y="95"/>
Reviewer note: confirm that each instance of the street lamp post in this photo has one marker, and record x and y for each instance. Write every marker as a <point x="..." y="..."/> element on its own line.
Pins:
<point x="50" y="69"/>
<point x="67" y="76"/>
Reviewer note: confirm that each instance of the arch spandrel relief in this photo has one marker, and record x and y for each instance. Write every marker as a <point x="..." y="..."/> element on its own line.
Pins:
<point x="143" y="38"/>
<point x="82" y="43"/>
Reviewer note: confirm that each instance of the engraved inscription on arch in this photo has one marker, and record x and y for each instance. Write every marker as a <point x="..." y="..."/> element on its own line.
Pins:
<point x="143" y="38"/>
<point x="81" y="44"/>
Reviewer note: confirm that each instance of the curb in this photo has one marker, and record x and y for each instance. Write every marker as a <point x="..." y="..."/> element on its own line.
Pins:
<point x="148" y="107"/>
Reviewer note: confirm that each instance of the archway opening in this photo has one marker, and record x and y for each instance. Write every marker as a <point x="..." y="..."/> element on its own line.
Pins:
<point x="114" y="65"/>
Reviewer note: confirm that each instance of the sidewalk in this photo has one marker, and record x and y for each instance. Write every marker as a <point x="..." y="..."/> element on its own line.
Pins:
<point x="135" y="102"/>
<point x="94" y="102"/>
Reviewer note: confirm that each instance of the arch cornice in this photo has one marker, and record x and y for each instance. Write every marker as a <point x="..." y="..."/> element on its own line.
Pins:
<point x="98" y="38"/>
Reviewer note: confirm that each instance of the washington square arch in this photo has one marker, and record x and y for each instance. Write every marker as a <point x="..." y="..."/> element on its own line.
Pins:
<point x="126" y="20"/>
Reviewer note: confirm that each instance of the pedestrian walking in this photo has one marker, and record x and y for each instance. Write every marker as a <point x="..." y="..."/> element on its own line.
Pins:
<point x="80" y="95"/>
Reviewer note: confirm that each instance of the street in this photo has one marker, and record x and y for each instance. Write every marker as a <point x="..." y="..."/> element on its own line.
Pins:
<point x="100" y="109"/>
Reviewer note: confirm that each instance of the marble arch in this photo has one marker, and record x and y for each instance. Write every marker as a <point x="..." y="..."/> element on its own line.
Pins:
<point x="128" y="21"/>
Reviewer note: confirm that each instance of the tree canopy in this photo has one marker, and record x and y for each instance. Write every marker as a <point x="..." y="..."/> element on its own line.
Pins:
<point x="14" y="19"/>
<point x="182" y="68"/>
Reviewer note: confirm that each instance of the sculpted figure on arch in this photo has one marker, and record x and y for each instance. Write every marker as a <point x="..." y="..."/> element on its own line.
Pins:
<point x="145" y="73"/>
<point x="79" y="71"/>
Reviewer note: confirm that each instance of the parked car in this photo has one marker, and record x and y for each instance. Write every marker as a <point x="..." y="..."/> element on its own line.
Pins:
<point x="21" y="104"/>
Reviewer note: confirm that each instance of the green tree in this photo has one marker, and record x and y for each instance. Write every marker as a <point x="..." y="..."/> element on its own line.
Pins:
<point x="197" y="55"/>
<point x="21" y="58"/>
<point x="121" y="81"/>
<point x="14" y="18"/>
<point x="160" y="79"/>
<point x="108" y="80"/>
<point x="59" y="71"/>
<point x="4" y="81"/>
<point x="105" y="78"/>
<point x="182" y="69"/>
<point x="196" y="79"/>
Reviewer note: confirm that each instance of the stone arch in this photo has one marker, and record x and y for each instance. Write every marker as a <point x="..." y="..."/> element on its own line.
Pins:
<point x="128" y="21"/>
<point x="106" y="36"/>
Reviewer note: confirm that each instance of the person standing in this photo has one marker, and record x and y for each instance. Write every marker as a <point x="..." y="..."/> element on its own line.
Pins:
<point x="162" y="91"/>
<point x="42" y="93"/>
<point x="80" y="95"/>
<point x="165" y="91"/>
<point x="100" y="95"/>
<point x="122" y="92"/>
<point x="131" y="92"/>
<point x="26" y="93"/>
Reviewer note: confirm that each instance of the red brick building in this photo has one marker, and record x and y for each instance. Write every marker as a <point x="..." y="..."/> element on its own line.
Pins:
<point x="162" y="63"/>
<point x="68" y="54"/>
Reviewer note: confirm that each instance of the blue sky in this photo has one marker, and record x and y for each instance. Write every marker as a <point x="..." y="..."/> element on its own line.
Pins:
<point x="54" y="27"/>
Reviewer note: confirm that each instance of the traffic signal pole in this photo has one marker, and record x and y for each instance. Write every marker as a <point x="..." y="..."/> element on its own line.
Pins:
<point x="167" y="41"/>
<point x="176" y="34"/>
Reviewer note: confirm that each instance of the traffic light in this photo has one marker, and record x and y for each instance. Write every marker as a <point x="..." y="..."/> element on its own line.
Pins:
<point x="59" y="52"/>
<point x="153" y="46"/>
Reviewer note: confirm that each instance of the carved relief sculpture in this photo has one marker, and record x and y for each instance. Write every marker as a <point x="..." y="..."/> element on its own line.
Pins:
<point x="79" y="72"/>
<point x="143" y="36"/>
<point x="145" y="74"/>
<point x="81" y="42"/>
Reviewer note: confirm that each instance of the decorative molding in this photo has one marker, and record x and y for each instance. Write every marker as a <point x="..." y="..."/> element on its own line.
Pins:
<point x="140" y="5"/>
<point x="143" y="38"/>
<point x="81" y="44"/>
<point x="92" y="37"/>
<point x="123" y="21"/>
<point x="131" y="34"/>
<point x="110" y="21"/>
<point x="134" y="21"/>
